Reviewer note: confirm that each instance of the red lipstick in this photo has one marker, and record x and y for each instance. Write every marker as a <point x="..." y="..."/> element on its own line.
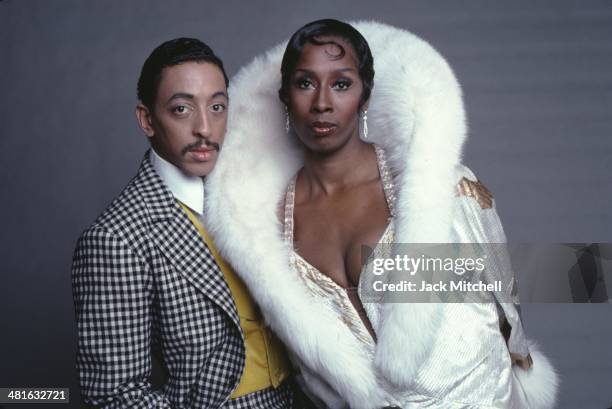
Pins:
<point x="320" y="128"/>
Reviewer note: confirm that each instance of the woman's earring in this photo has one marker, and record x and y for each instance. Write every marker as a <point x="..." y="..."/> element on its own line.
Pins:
<point x="365" y="124"/>
<point x="287" y="124"/>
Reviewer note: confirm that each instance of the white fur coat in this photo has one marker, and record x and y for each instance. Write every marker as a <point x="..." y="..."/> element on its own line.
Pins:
<point x="416" y="114"/>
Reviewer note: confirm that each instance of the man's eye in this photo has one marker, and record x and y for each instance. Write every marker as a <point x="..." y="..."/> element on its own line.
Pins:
<point x="217" y="108"/>
<point x="342" y="84"/>
<point x="180" y="109"/>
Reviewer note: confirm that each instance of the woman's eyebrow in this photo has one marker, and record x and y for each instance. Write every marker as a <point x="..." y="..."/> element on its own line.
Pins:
<point x="307" y="71"/>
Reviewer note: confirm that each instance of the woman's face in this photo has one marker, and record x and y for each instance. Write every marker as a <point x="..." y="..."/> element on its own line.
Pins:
<point x="325" y="96"/>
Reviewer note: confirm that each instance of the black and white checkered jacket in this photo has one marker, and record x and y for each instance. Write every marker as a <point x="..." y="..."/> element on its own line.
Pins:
<point x="143" y="278"/>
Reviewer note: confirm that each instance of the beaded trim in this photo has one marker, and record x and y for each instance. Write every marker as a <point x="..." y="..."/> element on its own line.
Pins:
<point x="387" y="179"/>
<point x="334" y="296"/>
<point x="289" y="205"/>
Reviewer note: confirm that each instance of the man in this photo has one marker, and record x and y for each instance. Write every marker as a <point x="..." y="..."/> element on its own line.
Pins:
<point x="146" y="276"/>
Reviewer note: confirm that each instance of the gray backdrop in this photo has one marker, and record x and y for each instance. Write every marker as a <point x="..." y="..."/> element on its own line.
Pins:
<point x="538" y="87"/>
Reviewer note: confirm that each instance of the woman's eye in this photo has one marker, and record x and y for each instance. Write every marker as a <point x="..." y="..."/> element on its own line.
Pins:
<point x="304" y="84"/>
<point x="342" y="84"/>
<point x="217" y="108"/>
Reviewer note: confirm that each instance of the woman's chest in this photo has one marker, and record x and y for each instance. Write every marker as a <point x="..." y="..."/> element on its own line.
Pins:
<point x="331" y="234"/>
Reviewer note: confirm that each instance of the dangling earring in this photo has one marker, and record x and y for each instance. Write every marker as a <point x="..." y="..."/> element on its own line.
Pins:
<point x="365" y="124"/>
<point x="287" y="124"/>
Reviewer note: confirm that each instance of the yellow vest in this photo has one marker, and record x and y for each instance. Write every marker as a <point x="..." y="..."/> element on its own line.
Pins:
<point x="267" y="364"/>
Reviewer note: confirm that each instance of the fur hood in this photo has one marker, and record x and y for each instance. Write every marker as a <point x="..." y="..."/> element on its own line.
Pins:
<point x="416" y="114"/>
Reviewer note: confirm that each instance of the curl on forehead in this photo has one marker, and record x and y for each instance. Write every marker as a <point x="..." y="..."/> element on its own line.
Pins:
<point x="332" y="46"/>
<point x="339" y="39"/>
<point x="333" y="49"/>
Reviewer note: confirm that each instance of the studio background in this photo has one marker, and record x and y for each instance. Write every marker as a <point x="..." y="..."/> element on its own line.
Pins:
<point x="537" y="81"/>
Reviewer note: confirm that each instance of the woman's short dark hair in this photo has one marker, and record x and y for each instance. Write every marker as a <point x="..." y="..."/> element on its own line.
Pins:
<point x="311" y="33"/>
<point x="173" y="52"/>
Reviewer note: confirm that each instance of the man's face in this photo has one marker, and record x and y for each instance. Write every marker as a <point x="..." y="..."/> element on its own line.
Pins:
<point x="189" y="118"/>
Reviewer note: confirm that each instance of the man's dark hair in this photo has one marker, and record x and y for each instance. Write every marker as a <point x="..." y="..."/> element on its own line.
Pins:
<point x="312" y="33"/>
<point x="173" y="52"/>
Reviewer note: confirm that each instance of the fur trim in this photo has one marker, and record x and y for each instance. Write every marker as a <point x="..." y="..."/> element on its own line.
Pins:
<point x="540" y="383"/>
<point x="417" y="114"/>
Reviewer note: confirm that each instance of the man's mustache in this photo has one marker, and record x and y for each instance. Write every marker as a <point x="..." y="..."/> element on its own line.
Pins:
<point x="200" y="144"/>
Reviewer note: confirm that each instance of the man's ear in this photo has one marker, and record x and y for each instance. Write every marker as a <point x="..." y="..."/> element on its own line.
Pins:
<point x="145" y="120"/>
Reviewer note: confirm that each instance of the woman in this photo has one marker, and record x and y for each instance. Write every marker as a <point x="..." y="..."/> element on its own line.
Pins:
<point x="337" y="191"/>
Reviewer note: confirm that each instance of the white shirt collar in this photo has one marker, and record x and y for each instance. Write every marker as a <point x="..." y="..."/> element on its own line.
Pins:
<point x="187" y="189"/>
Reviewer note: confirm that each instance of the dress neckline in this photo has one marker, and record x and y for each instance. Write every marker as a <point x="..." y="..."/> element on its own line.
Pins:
<point x="388" y="191"/>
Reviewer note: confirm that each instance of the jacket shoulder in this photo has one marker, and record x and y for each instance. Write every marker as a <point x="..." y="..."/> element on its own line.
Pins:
<point x="468" y="185"/>
<point x="462" y="171"/>
<point x="475" y="217"/>
<point x="127" y="217"/>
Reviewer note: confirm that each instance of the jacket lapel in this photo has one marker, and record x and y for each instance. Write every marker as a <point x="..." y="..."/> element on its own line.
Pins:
<point x="179" y="241"/>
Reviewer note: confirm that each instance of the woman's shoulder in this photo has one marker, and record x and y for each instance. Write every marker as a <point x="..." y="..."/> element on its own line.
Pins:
<point x="468" y="185"/>
<point x="475" y="219"/>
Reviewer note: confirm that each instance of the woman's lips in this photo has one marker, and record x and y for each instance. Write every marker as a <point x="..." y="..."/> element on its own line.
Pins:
<point x="323" y="128"/>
